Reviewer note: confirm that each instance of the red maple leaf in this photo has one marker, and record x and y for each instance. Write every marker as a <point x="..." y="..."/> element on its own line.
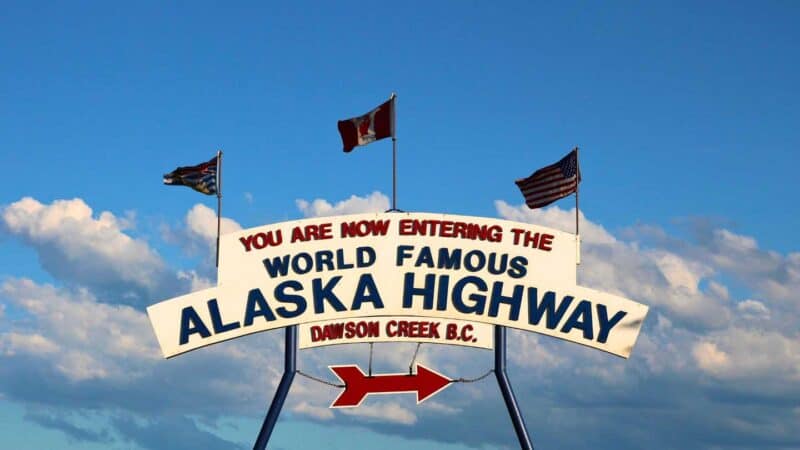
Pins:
<point x="363" y="126"/>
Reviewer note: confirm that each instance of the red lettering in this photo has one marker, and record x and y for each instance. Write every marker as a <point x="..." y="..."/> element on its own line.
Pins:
<point x="325" y="231"/>
<point x="466" y="336"/>
<point x="247" y="242"/>
<point x="261" y="240"/>
<point x="544" y="243"/>
<point x="452" y="331"/>
<point x="316" y="333"/>
<point x="405" y="227"/>
<point x="365" y="228"/>
<point x="391" y="328"/>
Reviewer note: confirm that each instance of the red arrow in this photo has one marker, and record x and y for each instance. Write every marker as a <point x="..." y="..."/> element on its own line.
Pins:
<point x="358" y="385"/>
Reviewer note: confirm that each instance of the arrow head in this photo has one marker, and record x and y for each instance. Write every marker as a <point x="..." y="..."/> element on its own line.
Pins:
<point x="354" y="391"/>
<point x="430" y="382"/>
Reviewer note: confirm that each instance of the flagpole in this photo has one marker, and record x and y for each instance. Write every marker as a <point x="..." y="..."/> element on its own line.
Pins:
<point x="219" y="200"/>
<point x="394" y="155"/>
<point x="577" y="222"/>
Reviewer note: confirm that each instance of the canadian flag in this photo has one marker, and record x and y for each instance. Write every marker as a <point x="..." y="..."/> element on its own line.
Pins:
<point x="374" y="125"/>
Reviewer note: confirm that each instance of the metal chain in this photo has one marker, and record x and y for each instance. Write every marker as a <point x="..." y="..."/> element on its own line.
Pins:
<point x="336" y="385"/>
<point x="319" y="380"/>
<point x="472" y="380"/>
<point x="414" y="358"/>
<point x="370" y="359"/>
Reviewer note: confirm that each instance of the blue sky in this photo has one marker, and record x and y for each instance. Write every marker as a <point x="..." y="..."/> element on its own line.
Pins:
<point x="686" y="115"/>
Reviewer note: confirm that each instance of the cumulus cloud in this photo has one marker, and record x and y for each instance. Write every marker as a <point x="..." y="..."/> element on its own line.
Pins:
<point x="318" y="412"/>
<point x="375" y="202"/>
<point x="170" y="432"/>
<point x="656" y="276"/>
<point x="767" y="272"/>
<point x="702" y="349"/>
<point x="77" y="247"/>
<point x="749" y="354"/>
<point x="198" y="232"/>
<point x="710" y="358"/>
<point x="75" y="432"/>
<point x="753" y="309"/>
<point x="201" y="224"/>
<point x="33" y="344"/>
<point x="384" y="411"/>
<point x="83" y="338"/>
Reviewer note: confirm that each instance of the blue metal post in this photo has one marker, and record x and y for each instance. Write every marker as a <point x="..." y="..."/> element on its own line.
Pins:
<point x="289" y="369"/>
<point x="505" y="388"/>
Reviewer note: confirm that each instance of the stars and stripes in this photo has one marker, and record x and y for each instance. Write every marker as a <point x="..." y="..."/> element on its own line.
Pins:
<point x="201" y="178"/>
<point x="552" y="182"/>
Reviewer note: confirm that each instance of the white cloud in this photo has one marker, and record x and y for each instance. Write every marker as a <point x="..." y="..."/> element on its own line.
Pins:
<point x="528" y="350"/>
<point x="77" y="247"/>
<point x="656" y="277"/>
<point x="759" y="356"/>
<point x="313" y="410"/>
<point x="375" y="202"/>
<point x="710" y="358"/>
<point x="555" y="217"/>
<point x="753" y="309"/>
<point x="680" y="273"/>
<point x="105" y="356"/>
<point x="82" y="337"/>
<point x="196" y="281"/>
<point x="771" y="274"/>
<point x="718" y="290"/>
<point x="198" y="236"/>
<point x="201" y="222"/>
<point x="383" y="412"/>
<point x="35" y="344"/>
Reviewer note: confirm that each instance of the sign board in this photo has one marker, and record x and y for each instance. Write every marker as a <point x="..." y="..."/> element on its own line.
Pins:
<point x="396" y="329"/>
<point x="391" y="267"/>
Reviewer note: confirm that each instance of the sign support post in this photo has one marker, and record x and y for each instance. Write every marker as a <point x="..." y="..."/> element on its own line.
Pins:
<point x="289" y="369"/>
<point x="505" y="388"/>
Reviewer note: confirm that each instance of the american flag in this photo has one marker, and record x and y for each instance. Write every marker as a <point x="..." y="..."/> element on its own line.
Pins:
<point x="201" y="178"/>
<point x="552" y="182"/>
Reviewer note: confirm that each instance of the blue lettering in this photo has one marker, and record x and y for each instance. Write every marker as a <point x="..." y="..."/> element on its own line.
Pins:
<point x="493" y="269"/>
<point x="470" y="265"/>
<point x="283" y="297"/>
<point x="449" y="259"/>
<point x="366" y="291"/>
<point x="324" y="258"/>
<point x="409" y="291"/>
<point x="216" y="318"/>
<point x="309" y="263"/>
<point x="256" y="306"/>
<point x="441" y="299"/>
<point x="547" y="307"/>
<point x="581" y="318"/>
<point x="365" y="256"/>
<point x="277" y="266"/>
<point x="403" y="252"/>
<point x="341" y="263"/>
<point x="425" y="257"/>
<point x="190" y="324"/>
<point x="322" y="293"/>
<point x="458" y="295"/>
<point x="605" y="324"/>
<point x="497" y="297"/>
<point x="518" y="267"/>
